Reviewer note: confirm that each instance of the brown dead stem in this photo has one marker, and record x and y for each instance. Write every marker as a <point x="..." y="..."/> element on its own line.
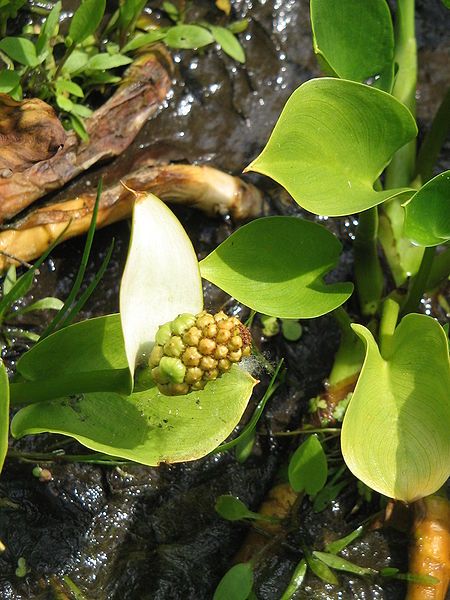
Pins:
<point x="111" y="129"/>
<point x="203" y="187"/>
<point x="430" y="548"/>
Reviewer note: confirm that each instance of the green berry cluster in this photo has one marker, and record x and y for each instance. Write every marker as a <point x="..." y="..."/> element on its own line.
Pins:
<point x="195" y="349"/>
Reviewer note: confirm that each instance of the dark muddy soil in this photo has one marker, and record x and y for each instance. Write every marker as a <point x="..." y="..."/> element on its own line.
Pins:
<point x="137" y="533"/>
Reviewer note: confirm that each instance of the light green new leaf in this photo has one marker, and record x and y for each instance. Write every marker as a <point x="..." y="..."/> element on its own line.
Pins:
<point x="4" y="413"/>
<point x="161" y="278"/>
<point x="104" y="61"/>
<point x="86" y="19"/>
<point x="228" y="42"/>
<point x="331" y="143"/>
<point x="21" y="50"/>
<point x="236" y="584"/>
<point x="355" y="38"/>
<point x="87" y="356"/>
<point x="9" y="80"/>
<point x="145" y="427"/>
<point x="188" y="37"/>
<point x="427" y="220"/>
<point x="308" y="468"/>
<point x="275" y="265"/>
<point x="341" y="564"/>
<point x="395" y="435"/>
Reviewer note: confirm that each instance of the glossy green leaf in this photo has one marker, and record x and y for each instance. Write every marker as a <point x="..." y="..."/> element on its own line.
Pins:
<point x="86" y="19"/>
<point x="341" y="564"/>
<point x="145" y="427"/>
<point x="427" y="221"/>
<point x="4" y="413"/>
<point x="188" y="37"/>
<point x="49" y="28"/>
<point x="104" y="61"/>
<point x="339" y="545"/>
<point x="228" y="42"/>
<point x="355" y="38"/>
<point x="21" y="50"/>
<point x="161" y="278"/>
<point x="83" y="357"/>
<point x="9" y="80"/>
<point x="308" y="468"/>
<point x="332" y="141"/>
<point x="321" y="570"/>
<point x="275" y="265"/>
<point x="144" y="39"/>
<point x="236" y="584"/>
<point x="395" y="431"/>
<point x="65" y="85"/>
<point x="296" y="580"/>
<point x="233" y="509"/>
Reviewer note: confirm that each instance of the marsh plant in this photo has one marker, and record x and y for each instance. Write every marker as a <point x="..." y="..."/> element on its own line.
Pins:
<point x="344" y="144"/>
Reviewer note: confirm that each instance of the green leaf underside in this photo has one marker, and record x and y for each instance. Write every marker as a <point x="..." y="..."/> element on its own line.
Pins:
<point x="275" y="266"/>
<point x="395" y="431"/>
<point x="332" y="141"/>
<point x="4" y="414"/>
<point x="308" y="467"/>
<point x="161" y="278"/>
<point x="145" y="427"/>
<point x="236" y="584"/>
<point x="355" y="38"/>
<point x="90" y="347"/>
<point x="427" y="221"/>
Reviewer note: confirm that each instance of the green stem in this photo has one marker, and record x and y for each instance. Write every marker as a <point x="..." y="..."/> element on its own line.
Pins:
<point x="440" y="269"/>
<point x="389" y="317"/>
<point x="368" y="272"/>
<point x="400" y="172"/>
<point x="350" y="354"/>
<point x="433" y="142"/>
<point x="419" y="282"/>
<point x="64" y="59"/>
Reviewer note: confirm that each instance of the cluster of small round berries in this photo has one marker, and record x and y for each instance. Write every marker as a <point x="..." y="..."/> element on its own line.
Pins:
<point x="195" y="349"/>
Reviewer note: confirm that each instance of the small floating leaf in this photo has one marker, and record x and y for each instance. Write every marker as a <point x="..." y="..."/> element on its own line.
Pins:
<point x="427" y="221"/>
<point x="332" y="141"/>
<point x="395" y="431"/>
<point x="236" y="584"/>
<point x="308" y="467"/>
<point x="161" y="278"/>
<point x="355" y="38"/>
<point x="145" y="427"/>
<point x="188" y="37"/>
<point x="275" y="265"/>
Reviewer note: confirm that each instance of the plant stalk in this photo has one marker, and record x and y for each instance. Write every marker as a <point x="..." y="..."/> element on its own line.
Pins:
<point x="350" y="354"/>
<point x="389" y="317"/>
<point x="368" y="273"/>
<point x="401" y="170"/>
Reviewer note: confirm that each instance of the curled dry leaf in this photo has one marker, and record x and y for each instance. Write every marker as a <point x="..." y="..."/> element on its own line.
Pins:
<point x="111" y="130"/>
<point x="30" y="132"/>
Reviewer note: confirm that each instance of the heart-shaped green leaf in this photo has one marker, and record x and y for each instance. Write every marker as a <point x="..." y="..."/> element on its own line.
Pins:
<point x="4" y="414"/>
<point x="356" y="39"/>
<point x="395" y="435"/>
<point x="87" y="356"/>
<point x="427" y="221"/>
<point x="161" y="278"/>
<point x="145" y="427"/>
<point x="275" y="265"/>
<point x="332" y="141"/>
